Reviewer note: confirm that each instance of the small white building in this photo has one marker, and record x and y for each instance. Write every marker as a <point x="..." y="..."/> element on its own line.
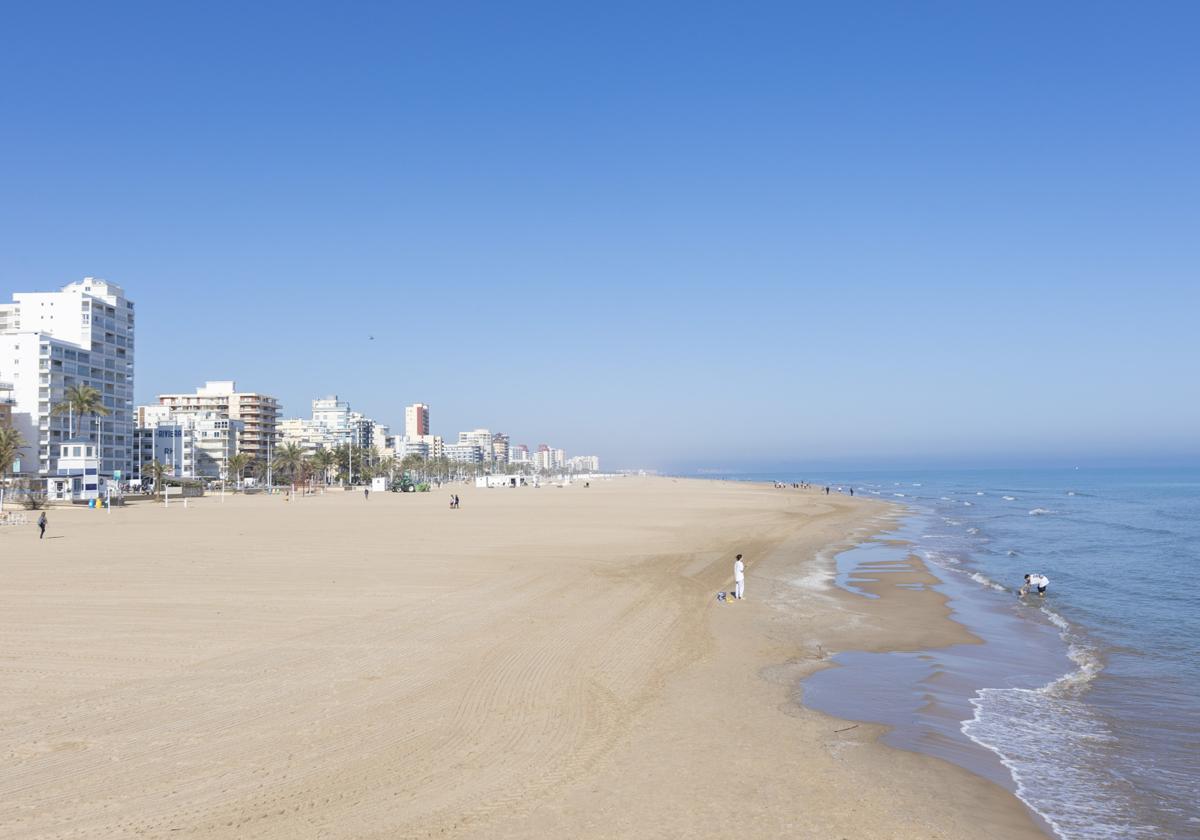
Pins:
<point x="77" y="477"/>
<point x="506" y="481"/>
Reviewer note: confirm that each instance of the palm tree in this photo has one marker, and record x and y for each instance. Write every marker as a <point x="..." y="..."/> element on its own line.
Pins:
<point x="324" y="460"/>
<point x="236" y="466"/>
<point x="387" y="466"/>
<point x="82" y="400"/>
<point x="158" y="471"/>
<point x="11" y="445"/>
<point x="288" y="459"/>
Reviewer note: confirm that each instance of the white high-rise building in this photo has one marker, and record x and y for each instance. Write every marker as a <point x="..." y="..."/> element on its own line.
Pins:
<point x="481" y="438"/>
<point x="51" y="341"/>
<point x="333" y="414"/>
<point x="416" y="421"/>
<point x="584" y="463"/>
<point x="464" y="453"/>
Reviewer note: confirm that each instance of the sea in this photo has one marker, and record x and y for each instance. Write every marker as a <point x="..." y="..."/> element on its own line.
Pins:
<point x="1086" y="703"/>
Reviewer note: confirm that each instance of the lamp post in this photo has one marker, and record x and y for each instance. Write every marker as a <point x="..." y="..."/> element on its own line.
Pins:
<point x="170" y="453"/>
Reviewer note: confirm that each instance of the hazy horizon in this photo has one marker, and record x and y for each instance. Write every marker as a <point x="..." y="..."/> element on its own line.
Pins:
<point x="677" y="241"/>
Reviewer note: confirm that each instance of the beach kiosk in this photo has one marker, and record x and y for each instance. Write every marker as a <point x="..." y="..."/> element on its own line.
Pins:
<point x="78" y="476"/>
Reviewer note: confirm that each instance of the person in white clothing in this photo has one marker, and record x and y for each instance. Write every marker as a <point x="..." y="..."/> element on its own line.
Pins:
<point x="1036" y="581"/>
<point x="739" y="578"/>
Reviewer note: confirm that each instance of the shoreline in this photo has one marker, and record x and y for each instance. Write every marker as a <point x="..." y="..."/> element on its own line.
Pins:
<point x="541" y="662"/>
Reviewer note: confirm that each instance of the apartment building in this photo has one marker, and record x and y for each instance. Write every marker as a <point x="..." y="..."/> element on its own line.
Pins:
<point x="53" y="341"/>
<point x="257" y="413"/>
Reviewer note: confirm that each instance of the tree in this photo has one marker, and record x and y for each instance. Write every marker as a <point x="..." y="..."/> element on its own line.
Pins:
<point x="411" y="463"/>
<point x="288" y="459"/>
<point x="236" y="467"/>
<point x="80" y="400"/>
<point x="387" y="466"/>
<point x="324" y="460"/>
<point x="158" y="471"/>
<point x="11" y="446"/>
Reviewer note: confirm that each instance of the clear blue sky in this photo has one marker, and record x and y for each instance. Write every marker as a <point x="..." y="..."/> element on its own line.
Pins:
<point x="676" y="235"/>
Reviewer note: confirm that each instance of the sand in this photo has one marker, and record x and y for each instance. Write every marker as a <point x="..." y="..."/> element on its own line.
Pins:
<point x="543" y="662"/>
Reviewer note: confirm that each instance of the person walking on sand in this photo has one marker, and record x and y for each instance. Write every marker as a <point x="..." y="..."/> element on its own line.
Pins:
<point x="739" y="578"/>
<point x="42" y="525"/>
<point x="366" y="493"/>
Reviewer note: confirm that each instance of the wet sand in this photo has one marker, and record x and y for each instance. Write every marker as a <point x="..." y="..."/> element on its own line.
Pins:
<point x="546" y="662"/>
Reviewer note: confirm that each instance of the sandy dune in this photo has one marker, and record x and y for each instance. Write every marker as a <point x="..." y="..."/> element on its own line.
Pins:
<point x="544" y="662"/>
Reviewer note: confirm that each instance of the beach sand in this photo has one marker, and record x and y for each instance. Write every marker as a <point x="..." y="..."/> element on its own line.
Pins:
<point x="543" y="662"/>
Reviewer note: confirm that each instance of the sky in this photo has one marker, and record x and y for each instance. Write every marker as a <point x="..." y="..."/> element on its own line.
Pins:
<point x="676" y="235"/>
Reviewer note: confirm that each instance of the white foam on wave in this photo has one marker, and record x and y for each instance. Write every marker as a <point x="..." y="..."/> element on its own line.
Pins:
<point x="1039" y="512"/>
<point x="986" y="581"/>
<point x="945" y="498"/>
<point x="1070" y="492"/>
<point x="972" y="530"/>
<point x="1047" y="738"/>
<point x="968" y="504"/>
<point x="978" y="492"/>
<point x="1011" y="553"/>
<point x="901" y="495"/>
<point x="1010" y="498"/>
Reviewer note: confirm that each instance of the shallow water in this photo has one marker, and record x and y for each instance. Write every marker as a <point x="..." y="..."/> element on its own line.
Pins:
<point x="1087" y="704"/>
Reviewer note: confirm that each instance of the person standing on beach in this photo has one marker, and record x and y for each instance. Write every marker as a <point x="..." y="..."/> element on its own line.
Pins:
<point x="739" y="578"/>
<point x="42" y="525"/>
<point x="366" y="493"/>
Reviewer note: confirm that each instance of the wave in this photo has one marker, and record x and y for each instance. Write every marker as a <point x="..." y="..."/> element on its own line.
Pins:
<point x="979" y="493"/>
<point x="968" y="504"/>
<point x="1048" y="739"/>
<point x="901" y="495"/>
<point x="1039" y="512"/>
<point x="1010" y="498"/>
<point x="987" y="581"/>
<point x="972" y="530"/>
<point x="945" y="498"/>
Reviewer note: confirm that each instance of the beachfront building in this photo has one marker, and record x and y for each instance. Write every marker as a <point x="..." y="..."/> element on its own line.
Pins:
<point x="416" y="421"/>
<point x="52" y="341"/>
<point x="481" y="438"/>
<point x="464" y="453"/>
<point x="333" y="424"/>
<point x="500" y="448"/>
<point x="309" y="436"/>
<point x="406" y="448"/>
<point x="257" y="413"/>
<point x="192" y="444"/>
<point x="584" y="464"/>
<point x="519" y="454"/>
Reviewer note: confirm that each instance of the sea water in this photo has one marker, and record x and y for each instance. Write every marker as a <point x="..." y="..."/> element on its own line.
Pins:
<point x="1087" y="703"/>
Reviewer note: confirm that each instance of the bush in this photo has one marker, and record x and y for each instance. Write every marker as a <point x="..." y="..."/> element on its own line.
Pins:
<point x="31" y="497"/>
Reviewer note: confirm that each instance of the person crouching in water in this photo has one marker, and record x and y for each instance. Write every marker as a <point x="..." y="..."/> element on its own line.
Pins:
<point x="1036" y="581"/>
